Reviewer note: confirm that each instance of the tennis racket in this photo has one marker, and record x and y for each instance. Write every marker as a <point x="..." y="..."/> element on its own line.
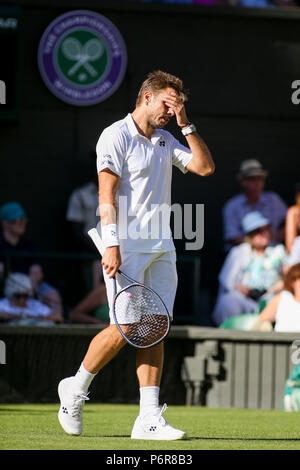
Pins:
<point x="138" y="311"/>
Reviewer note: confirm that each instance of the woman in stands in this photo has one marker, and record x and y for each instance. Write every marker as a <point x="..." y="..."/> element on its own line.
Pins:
<point x="252" y="271"/>
<point x="284" y="308"/>
<point x="292" y="223"/>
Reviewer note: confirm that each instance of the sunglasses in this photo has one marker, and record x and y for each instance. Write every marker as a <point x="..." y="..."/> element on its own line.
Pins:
<point x="21" y="296"/>
<point x="261" y="230"/>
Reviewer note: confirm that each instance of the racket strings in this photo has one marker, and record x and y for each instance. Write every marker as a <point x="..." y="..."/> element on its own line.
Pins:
<point x="141" y="315"/>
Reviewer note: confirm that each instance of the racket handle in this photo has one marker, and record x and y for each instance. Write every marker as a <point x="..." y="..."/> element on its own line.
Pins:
<point x="93" y="233"/>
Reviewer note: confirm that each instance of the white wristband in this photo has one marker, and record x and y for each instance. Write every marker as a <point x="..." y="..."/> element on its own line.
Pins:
<point x="189" y="130"/>
<point x="109" y="235"/>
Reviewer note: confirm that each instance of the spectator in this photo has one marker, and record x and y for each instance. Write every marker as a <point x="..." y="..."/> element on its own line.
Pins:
<point x="251" y="272"/>
<point x="12" y="239"/>
<point x="81" y="216"/>
<point x="82" y="209"/>
<point x="292" y="225"/>
<point x="12" y="242"/>
<point x="93" y="308"/>
<point x="251" y="177"/>
<point x="18" y="304"/>
<point x="284" y="308"/>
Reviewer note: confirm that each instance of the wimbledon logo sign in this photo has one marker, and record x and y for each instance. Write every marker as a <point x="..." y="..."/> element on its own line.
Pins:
<point x="82" y="58"/>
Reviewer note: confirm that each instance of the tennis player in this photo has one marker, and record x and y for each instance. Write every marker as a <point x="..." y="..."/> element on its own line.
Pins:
<point x="134" y="161"/>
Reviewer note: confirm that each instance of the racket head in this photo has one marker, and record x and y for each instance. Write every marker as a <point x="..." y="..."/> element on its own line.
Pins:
<point x="141" y="315"/>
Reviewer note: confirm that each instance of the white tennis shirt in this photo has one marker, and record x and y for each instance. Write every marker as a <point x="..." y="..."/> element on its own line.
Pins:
<point x="288" y="313"/>
<point x="145" y="170"/>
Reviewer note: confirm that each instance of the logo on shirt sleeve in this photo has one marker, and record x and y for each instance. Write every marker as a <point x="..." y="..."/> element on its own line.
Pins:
<point x="106" y="162"/>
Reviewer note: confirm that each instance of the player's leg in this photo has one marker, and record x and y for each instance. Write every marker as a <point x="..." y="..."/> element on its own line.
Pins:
<point x="149" y="365"/>
<point x="103" y="347"/>
<point x="73" y="390"/>
<point x="162" y="277"/>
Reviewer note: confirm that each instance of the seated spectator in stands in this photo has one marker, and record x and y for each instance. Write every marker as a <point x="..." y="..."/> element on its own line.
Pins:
<point x="292" y="225"/>
<point x="13" y="241"/>
<point x="93" y="308"/>
<point x="251" y="272"/>
<point x="284" y="308"/>
<point x="251" y="178"/>
<point x="82" y="209"/>
<point x="44" y="291"/>
<point x="19" y="305"/>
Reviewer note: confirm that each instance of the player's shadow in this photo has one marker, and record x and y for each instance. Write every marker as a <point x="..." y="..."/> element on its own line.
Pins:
<point x="267" y="439"/>
<point x="25" y="411"/>
<point x="241" y="439"/>
<point x="108" y="436"/>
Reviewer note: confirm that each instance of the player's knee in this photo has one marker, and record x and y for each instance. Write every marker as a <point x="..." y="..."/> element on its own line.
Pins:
<point x="117" y="339"/>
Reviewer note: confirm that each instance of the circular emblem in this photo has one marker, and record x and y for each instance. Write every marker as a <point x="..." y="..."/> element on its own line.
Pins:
<point x="82" y="57"/>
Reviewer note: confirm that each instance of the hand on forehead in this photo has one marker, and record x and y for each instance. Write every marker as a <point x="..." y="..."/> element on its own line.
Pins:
<point x="170" y="93"/>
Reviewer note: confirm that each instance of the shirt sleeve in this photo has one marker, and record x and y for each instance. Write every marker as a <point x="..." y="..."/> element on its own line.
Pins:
<point x="6" y="307"/>
<point x="110" y="151"/>
<point x="36" y="308"/>
<point x="181" y="155"/>
<point x="233" y="267"/>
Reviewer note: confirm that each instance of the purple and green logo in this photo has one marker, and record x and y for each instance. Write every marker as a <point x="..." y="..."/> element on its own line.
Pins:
<point x="82" y="57"/>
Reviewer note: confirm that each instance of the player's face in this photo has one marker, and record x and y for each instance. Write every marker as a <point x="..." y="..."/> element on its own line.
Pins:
<point x="158" y="113"/>
<point x="296" y="286"/>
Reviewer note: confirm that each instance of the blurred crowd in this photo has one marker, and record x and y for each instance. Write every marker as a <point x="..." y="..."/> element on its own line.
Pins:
<point x="258" y="284"/>
<point x="26" y="297"/>
<point x="241" y="3"/>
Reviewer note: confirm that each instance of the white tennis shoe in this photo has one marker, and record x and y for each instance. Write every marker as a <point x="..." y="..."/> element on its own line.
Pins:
<point x="155" y="427"/>
<point x="71" y="405"/>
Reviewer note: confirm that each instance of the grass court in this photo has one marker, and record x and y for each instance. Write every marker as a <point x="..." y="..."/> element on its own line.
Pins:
<point x="108" y="427"/>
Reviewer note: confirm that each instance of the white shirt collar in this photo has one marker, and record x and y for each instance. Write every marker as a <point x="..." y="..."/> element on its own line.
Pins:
<point x="135" y="133"/>
<point x="131" y="126"/>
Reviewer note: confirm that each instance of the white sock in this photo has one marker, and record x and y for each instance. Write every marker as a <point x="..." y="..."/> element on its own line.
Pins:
<point x="149" y="400"/>
<point x="82" y="380"/>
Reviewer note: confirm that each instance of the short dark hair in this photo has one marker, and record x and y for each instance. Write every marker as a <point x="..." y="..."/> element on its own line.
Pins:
<point x="292" y="274"/>
<point x="157" y="81"/>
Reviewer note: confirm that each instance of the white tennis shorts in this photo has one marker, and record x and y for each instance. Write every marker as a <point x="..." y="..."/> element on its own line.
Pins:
<point x="155" y="270"/>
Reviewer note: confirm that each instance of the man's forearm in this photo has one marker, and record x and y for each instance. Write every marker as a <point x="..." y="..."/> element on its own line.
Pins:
<point x="108" y="208"/>
<point x="202" y="163"/>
